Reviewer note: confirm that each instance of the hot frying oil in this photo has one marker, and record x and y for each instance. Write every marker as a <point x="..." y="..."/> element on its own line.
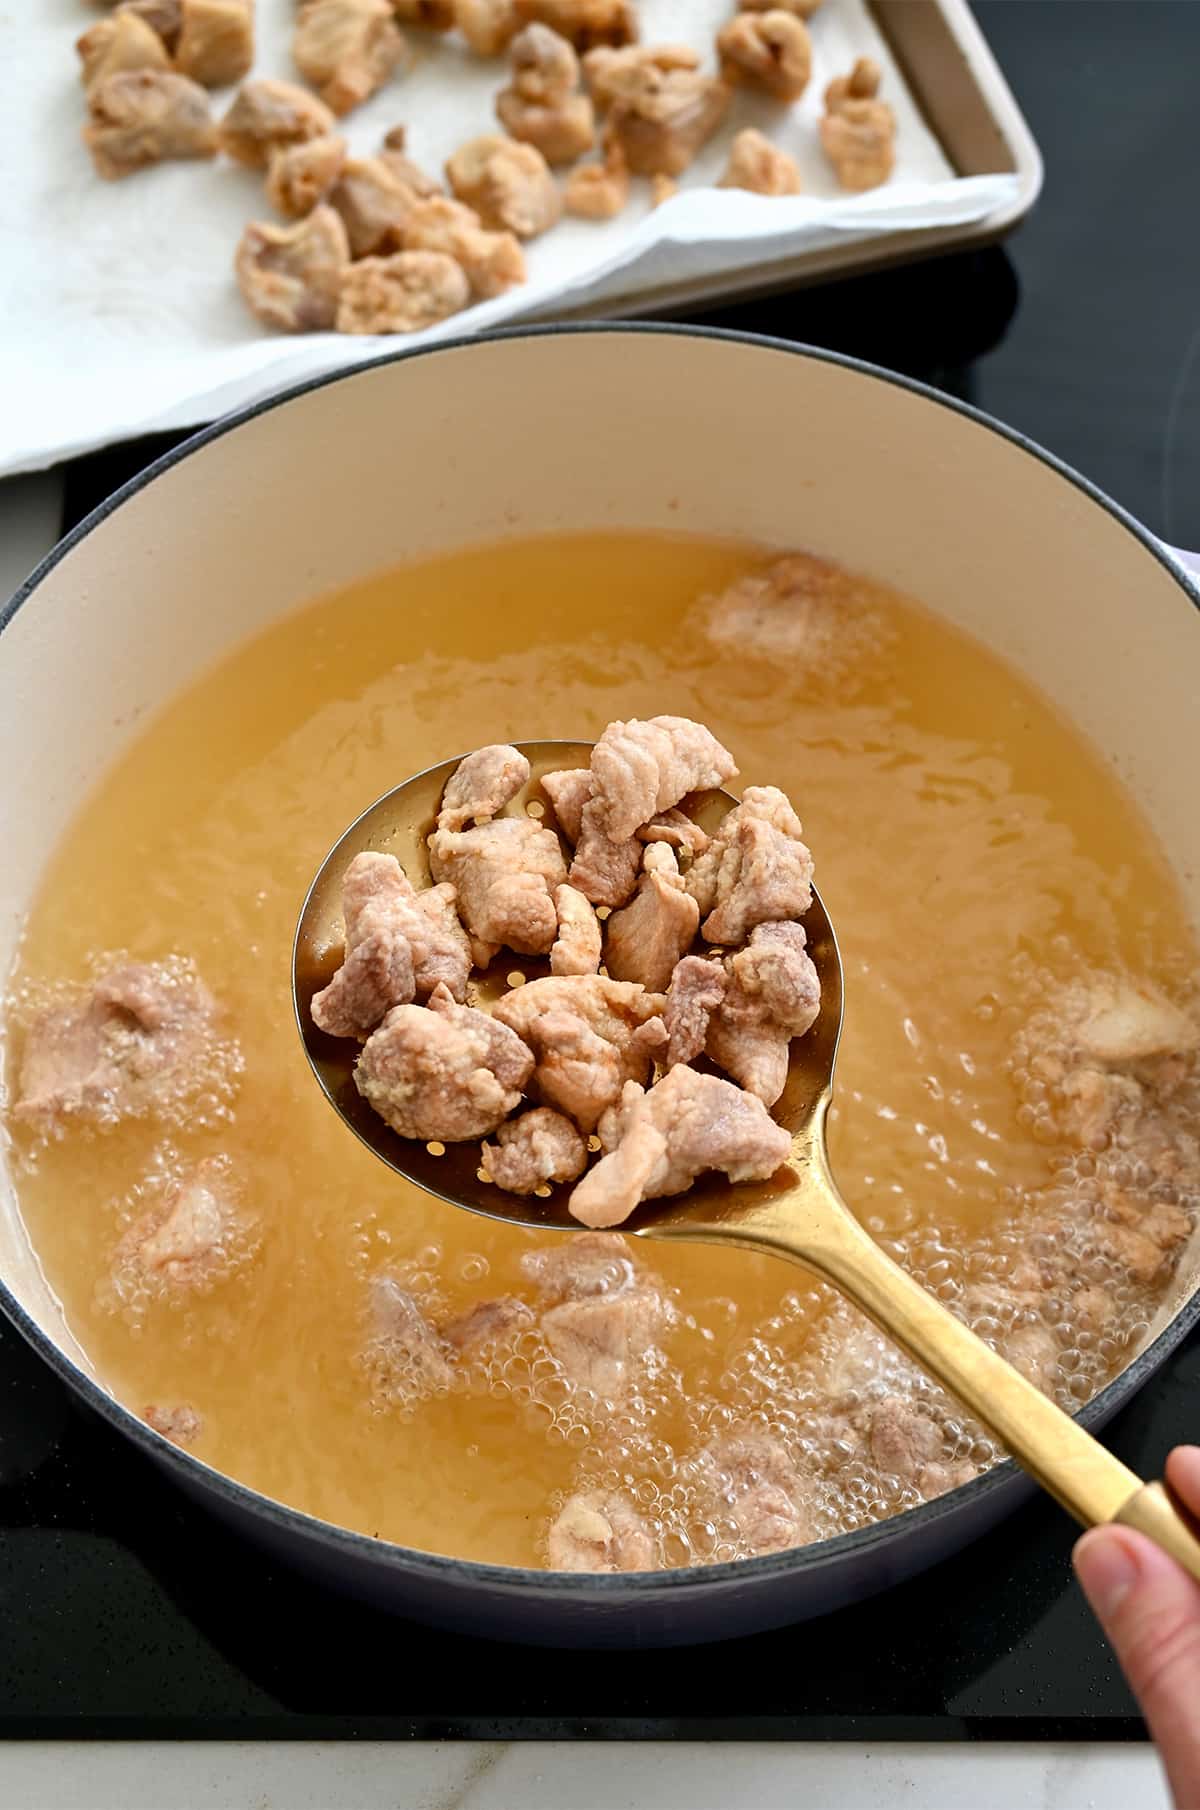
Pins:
<point x="966" y="841"/>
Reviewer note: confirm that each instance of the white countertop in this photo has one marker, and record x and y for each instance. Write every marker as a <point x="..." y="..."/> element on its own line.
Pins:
<point x="68" y="1775"/>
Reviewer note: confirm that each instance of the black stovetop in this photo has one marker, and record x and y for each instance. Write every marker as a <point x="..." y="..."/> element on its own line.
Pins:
<point x="126" y="1611"/>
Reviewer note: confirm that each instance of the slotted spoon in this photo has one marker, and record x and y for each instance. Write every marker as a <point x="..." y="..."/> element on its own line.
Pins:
<point x="798" y="1214"/>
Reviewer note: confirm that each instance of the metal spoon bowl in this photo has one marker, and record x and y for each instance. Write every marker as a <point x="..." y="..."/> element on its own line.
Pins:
<point x="798" y="1214"/>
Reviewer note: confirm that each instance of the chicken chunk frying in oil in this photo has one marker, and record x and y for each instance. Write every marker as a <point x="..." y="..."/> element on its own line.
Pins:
<point x="442" y="1071"/>
<point x="659" y="1141"/>
<point x="193" y="1239"/>
<point x="136" y="1041"/>
<point x="758" y="1492"/>
<point x="600" y="1530"/>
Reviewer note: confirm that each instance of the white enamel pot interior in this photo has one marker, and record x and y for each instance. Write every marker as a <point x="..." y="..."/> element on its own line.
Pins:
<point x="587" y="429"/>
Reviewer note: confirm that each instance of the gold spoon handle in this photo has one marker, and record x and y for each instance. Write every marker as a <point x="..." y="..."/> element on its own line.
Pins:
<point x="812" y="1226"/>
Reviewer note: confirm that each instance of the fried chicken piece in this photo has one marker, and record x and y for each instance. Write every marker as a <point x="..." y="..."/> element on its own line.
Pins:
<point x="562" y="131"/>
<point x="696" y="990"/>
<point x="347" y="49"/>
<point x="758" y="165"/>
<point x="584" y="23"/>
<point x="482" y="784"/>
<point x="858" y="132"/>
<point x="589" y="1035"/>
<point x="568" y="792"/>
<point x="411" y="174"/>
<point x="602" y="870"/>
<point x="505" y="873"/>
<point x="181" y="1424"/>
<point x="862" y="84"/>
<point x="300" y="176"/>
<point x="770" y="50"/>
<point x="188" y="1242"/>
<point x="499" y="898"/>
<point x="755" y="1484"/>
<point x="486" y="1325"/>
<point x="577" y="947"/>
<point x="677" y="830"/>
<point x="642" y="768"/>
<point x="659" y="118"/>
<point x="406" y="1351"/>
<point x="659" y="1142"/>
<point x="401" y="293"/>
<point x="491" y="262"/>
<point x="773" y="995"/>
<point x="508" y="184"/>
<point x="265" y="116"/>
<point x="429" y="15"/>
<point x="442" y="1071"/>
<point x="125" y="1048"/>
<point x="143" y="116"/>
<point x="756" y="869"/>
<point x="600" y="1530"/>
<point x="400" y="945"/>
<point x="545" y="67"/>
<point x="599" y="1339"/>
<point x="214" y="43"/>
<point x="598" y="191"/>
<point x="489" y="26"/>
<point x="648" y="938"/>
<point x="609" y="74"/>
<point x="375" y="204"/>
<point x="586" y="1263"/>
<point x="211" y="41"/>
<point x="291" y="276"/>
<point x="542" y="105"/>
<point x="114" y="46"/>
<point x="541" y="1146"/>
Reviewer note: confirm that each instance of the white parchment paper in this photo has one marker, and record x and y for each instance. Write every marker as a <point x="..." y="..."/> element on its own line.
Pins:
<point x="119" y="310"/>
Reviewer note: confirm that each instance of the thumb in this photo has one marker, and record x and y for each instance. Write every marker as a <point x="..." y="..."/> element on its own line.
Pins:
<point x="1150" y="1610"/>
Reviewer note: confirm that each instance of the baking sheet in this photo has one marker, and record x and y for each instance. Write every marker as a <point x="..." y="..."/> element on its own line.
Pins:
<point x="120" y="312"/>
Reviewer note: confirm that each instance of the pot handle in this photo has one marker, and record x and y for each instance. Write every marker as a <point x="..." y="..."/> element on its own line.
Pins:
<point x="1191" y="561"/>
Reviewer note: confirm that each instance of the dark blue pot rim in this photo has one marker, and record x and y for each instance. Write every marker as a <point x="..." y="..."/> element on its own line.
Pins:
<point x="572" y="1586"/>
